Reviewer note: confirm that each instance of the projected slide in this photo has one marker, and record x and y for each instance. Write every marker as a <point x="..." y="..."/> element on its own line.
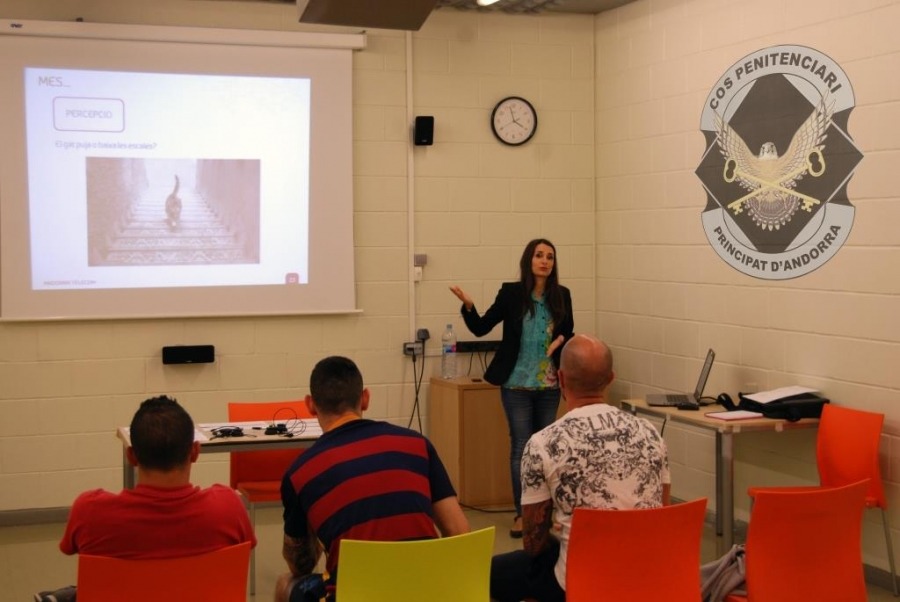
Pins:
<point x="171" y="172"/>
<point x="155" y="180"/>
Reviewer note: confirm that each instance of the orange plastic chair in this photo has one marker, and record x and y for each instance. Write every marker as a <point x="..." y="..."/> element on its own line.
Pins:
<point x="220" y="575"/>
<point x="806" y="545"/>
<point x="257" y="475"/>
<point x="635" y="555"/>
<point x="847" y="452"/>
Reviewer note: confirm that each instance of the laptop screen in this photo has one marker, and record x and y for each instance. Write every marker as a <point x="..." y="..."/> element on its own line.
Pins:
<point x="704" y="374"/>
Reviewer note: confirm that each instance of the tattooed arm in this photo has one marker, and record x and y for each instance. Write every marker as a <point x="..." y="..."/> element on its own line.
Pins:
<point x="301" y="554"/>
<point x="537" y="522"/>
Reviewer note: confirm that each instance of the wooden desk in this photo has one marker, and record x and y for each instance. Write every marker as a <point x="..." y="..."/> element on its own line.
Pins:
<point x="725" y="432"/>
<point x="468" y="428"/>
<point x="256" y="440"/>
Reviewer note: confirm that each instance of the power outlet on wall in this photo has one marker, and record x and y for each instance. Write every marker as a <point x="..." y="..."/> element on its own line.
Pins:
<point x="415" y="349"/>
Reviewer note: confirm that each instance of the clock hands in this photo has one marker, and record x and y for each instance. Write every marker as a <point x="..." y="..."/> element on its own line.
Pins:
<point x="514" y="120"/>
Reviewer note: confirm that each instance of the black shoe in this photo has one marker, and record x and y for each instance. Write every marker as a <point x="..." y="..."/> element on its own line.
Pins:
<point x="65" y="594"/>
<point x="515" y="533"/>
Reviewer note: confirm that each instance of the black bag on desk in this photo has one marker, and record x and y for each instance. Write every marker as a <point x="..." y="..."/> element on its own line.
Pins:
<point x="792" y="408"/>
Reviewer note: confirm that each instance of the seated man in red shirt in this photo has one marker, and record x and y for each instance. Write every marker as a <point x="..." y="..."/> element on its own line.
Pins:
<point x="362" y="479"/>
<point x="164" y="516"/>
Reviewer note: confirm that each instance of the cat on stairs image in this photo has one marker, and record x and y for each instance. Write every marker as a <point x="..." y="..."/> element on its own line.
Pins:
<point x="173" y="206"/>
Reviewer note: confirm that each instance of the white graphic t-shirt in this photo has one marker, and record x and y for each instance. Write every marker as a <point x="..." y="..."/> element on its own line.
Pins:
<point x="595" y="456"/>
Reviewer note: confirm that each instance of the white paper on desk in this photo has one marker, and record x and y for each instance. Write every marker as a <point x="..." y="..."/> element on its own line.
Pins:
<point x="312" y="428"/>
<point x="734" y="415"/>
<point x="775" y="394"/>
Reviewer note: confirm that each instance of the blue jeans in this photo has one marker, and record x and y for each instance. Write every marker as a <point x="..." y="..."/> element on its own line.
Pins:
<point x="527" y="412"/>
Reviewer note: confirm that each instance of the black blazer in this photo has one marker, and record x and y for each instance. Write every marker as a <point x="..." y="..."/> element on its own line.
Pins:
<point x="506" y="309"/>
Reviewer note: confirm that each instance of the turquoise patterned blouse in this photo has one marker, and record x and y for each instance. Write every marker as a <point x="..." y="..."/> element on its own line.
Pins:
<point x="534" y="370"/>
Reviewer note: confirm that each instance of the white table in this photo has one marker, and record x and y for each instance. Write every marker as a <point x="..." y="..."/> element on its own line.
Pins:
<point x="254" y="439"/>
<point x="725" y="431"/>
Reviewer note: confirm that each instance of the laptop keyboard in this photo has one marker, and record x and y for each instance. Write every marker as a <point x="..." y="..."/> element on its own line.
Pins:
<point x="679" y="400"/>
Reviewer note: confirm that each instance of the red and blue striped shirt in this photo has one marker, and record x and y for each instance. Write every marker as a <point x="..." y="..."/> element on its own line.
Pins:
<point x="364" y="480"/>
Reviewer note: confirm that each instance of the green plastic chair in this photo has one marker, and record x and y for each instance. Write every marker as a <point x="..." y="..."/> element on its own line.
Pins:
<point x="448" y="569"/>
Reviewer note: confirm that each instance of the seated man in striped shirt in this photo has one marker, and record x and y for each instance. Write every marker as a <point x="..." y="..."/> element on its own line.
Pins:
<point x="362" y="479"/>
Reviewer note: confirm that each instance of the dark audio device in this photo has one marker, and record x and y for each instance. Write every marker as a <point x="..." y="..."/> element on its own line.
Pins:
<point x="724" y="400"/>
<point x="189" y="354"/>
<point x="276" y="429"/>
<point x="227" y="431"/>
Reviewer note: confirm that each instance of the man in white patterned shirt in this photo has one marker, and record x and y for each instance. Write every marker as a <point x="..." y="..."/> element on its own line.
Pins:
<point x="596" y="456"/>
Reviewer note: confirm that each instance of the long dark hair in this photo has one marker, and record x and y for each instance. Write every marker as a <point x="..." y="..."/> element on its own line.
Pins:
<point x="552" y="291"/>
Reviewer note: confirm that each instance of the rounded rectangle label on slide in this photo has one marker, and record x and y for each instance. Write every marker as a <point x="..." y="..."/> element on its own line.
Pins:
<point x="88" y="114"/>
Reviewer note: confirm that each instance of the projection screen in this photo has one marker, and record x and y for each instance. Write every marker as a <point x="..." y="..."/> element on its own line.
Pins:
<point x="174" y="172"/>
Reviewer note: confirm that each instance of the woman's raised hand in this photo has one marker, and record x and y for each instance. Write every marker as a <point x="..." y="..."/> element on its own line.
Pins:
<point x="462" y="296"/>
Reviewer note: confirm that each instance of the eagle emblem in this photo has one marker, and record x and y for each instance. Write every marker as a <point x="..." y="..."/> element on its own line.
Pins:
<point x="771" y="179"/>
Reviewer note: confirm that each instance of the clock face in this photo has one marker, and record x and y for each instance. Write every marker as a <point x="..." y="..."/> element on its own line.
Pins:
<point x="514" y="121"/>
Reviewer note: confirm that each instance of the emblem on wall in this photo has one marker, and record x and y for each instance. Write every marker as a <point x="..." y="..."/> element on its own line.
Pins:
<point x="777" y="162"/>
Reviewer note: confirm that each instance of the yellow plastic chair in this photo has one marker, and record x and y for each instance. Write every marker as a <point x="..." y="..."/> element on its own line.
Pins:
<point x="806" y="545"/>
<point x="449" y="569"/>
<point x="257" y="474"/>
<point x="635" y="555"/>
<point x="220" y="575"/>
<point x="847" y="451"/>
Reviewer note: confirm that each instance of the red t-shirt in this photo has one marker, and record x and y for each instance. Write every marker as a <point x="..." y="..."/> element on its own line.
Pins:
<point x="153" y="522"/>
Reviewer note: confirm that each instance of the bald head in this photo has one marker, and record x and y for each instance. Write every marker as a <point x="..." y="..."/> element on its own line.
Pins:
<point x="586" y="365"/>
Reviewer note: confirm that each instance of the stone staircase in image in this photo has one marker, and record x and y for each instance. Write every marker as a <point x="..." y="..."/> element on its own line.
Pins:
<point x="200" y="237"/>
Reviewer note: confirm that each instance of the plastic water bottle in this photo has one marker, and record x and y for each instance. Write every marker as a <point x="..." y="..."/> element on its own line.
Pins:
<point x="448" y="353"/>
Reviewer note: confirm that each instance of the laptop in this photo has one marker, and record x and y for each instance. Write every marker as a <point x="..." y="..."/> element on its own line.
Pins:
<point x="677" y="399"/>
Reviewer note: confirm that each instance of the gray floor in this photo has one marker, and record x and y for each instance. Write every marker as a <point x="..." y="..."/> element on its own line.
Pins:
<point x="30" y="560"/>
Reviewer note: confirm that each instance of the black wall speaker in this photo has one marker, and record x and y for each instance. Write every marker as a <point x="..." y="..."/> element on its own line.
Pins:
<point x="189" y="354"/>
<point x="423" y="132"/>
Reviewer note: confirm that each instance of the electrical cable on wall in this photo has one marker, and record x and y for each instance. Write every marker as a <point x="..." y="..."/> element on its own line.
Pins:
<point x="482" y="359"/>
<point x="422" y="335"/>
<point x="417" y="384"/>
<point x="469" y="371"/>
<point x="488" y="510"/>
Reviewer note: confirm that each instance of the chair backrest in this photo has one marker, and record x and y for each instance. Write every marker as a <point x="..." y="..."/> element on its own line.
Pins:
<point x="806" y="545"/>
<point x="264" y="465"/>
<point x="220" y="575"/>
<point x="635" y="555"/>
<point x="847" y="449"/>
<point x="448" y="569"/>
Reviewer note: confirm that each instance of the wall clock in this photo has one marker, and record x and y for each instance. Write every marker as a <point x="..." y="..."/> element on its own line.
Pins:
<point x="514" y="121"/>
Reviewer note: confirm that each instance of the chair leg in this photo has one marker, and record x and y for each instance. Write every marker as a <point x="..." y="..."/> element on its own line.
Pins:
<point x="890" y="549"/>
